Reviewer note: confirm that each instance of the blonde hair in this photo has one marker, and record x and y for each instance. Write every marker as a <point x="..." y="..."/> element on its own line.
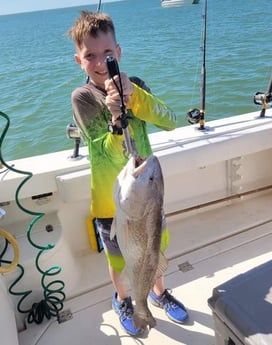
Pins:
<point x="90" y="23"/>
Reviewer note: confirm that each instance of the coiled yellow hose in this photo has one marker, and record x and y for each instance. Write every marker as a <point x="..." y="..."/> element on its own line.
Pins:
<point x="11" y="239"/>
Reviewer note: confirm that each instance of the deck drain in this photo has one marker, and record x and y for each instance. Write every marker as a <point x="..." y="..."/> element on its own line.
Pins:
<point x="64" y="316"/>
<point x="185" y="266"/>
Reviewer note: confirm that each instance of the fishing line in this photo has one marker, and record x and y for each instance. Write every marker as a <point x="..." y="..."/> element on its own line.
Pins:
<point x="52" y="292"/>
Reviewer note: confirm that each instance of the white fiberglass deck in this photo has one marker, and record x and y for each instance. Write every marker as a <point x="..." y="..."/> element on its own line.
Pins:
<point x="191" y="275"/>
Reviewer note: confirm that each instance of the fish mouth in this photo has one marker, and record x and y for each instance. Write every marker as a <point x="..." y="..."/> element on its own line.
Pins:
<point x="139" y="166"/>
<point x="139" y="161"/>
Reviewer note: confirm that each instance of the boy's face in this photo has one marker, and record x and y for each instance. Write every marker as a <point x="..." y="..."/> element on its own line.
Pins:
<point x="92" y="55"/>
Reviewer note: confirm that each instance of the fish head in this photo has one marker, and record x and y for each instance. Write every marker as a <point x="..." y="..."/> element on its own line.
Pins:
<point x="139" y="184"/>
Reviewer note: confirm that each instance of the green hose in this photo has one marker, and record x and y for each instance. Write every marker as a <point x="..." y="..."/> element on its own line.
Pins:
<point x="53" y="293"/>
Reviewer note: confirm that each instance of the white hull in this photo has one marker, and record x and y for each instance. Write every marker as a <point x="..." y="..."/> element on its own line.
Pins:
<point x="177" y="3"/>
<point x="218" y="196"/>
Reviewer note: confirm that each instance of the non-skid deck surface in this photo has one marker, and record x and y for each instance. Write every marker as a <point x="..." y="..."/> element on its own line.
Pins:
<point x="191" y="277"/>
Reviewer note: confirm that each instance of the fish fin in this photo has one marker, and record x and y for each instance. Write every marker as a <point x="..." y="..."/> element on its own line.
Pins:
<point x="113" y="229"/>
<point x="162" y="266"/>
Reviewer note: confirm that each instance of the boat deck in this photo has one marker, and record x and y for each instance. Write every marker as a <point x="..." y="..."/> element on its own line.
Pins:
<point x="202" y="255"/>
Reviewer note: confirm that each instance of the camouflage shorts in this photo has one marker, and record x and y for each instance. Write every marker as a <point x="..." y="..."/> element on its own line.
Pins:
<point x="111" y="247"/>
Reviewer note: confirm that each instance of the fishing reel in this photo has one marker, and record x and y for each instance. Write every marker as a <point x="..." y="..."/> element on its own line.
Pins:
<point x="193" y="116"/>
<point x="261" y="98"/>
<point x="73" y="132"/>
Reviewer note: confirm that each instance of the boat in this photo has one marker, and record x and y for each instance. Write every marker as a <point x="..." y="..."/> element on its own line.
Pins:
<point x="218" y="207"/>
<point x="54" y="285"/>
<point x="177" y="3"/>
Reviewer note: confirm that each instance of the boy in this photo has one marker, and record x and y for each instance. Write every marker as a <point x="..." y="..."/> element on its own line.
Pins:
<point x="96" y="107"/>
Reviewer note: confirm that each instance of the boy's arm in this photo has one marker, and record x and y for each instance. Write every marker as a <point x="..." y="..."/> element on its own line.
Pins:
<point x="149" y="108"/>
<point x="88" y="110"/>
<point x="90" y="114"/>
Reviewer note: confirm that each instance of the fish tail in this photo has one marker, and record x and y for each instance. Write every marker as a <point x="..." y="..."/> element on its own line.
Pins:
<point x="144" y="320"/>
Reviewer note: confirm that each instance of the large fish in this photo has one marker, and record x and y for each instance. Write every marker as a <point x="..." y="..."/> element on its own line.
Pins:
<point x="138" y="194"/>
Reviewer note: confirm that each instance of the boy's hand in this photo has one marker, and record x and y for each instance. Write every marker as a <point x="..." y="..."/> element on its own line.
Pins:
<point x="113" y="100"/>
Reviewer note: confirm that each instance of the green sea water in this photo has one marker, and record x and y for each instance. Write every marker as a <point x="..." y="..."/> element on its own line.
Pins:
<point x="163" y="46"/>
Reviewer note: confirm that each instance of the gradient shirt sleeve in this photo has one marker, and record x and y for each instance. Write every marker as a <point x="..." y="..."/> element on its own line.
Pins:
<point x="106" y="150"/>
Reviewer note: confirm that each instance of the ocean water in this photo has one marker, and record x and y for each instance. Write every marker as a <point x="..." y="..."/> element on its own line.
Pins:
<point x="164" y="46"/>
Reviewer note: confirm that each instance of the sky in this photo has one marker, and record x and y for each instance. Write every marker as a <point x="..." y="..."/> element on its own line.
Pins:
<point x="17" y="6"/>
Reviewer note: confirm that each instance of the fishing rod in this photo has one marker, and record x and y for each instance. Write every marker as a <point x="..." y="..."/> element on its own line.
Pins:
<point x="99" y="6"/>
<point x="195" y="115"/>
<point x="264" y="99"/>
<point x="113" y="70"/>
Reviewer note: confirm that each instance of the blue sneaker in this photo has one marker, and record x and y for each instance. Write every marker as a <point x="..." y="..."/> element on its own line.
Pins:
<point x="124" y="309"/>
<point x="174" y="309"/>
